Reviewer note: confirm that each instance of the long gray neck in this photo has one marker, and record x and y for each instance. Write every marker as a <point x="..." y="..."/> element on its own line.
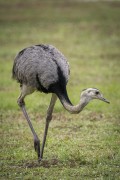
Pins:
<point x="68" y="105"/>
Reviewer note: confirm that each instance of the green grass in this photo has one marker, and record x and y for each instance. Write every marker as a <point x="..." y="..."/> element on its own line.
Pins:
<point x="84" y="146"/>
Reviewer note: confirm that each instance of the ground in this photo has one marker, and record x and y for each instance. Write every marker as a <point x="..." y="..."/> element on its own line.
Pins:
<point x="83" y="146"/>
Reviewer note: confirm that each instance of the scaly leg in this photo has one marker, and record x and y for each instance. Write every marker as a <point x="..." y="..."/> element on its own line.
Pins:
<point x="25" y="91"/>
<point x="48" y="119"/>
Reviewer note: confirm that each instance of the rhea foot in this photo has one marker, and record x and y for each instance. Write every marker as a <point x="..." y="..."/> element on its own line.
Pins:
<point x="37" y="146"/>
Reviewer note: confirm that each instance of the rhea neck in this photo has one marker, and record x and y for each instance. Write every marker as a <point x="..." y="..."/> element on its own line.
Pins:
<point x="68" y="105"/>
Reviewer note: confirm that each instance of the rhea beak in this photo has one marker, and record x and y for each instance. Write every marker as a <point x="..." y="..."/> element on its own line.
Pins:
<point x="103" y="99"/>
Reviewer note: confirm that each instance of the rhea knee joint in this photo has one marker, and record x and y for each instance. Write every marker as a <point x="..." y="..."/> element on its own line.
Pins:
<point x="20" y="102"/>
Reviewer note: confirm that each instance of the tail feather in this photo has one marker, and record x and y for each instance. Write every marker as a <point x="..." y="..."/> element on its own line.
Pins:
<point x="13" y="72"/>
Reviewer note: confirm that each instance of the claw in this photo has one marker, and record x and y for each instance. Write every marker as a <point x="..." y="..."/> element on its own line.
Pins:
<point x="37" y="146"/>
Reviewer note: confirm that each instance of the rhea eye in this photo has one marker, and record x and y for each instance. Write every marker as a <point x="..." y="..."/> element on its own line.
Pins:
<point x="97" y="92"/>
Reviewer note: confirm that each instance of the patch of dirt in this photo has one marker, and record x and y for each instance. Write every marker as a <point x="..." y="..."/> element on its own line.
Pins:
<point x="93" y="116"/>
<point x="43" y="163"/>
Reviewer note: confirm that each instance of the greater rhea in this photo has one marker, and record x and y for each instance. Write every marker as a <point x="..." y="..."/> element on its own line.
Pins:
<point x="44" y="68"/>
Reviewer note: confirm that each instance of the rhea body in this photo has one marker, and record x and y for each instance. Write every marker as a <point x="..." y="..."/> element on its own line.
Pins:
<point x="44" y="68"/>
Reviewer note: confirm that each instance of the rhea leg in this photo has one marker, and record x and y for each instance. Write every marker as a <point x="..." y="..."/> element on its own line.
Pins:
<point x="48" y="119"/>
<point x="25" y="91"/>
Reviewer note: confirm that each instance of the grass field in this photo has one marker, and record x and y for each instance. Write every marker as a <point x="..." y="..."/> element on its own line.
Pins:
<point x="83" y="146"/>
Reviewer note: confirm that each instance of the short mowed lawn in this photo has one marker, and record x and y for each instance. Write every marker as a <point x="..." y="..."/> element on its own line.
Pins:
<point x="82" y="146"/>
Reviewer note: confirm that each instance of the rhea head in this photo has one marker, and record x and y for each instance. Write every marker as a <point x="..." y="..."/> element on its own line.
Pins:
<point x="92" y="93"/>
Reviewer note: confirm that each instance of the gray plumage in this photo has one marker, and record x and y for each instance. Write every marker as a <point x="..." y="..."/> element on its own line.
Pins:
<point x="40" y="65"/>
<point x="44" y="68"/>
